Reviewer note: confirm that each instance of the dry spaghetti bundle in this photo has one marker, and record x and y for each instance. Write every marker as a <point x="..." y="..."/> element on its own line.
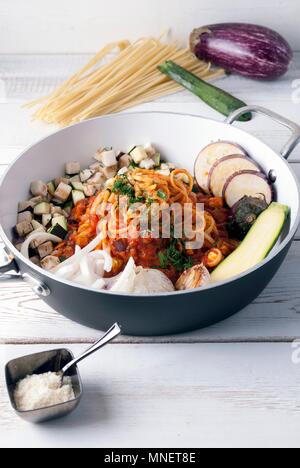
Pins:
<point x="111" y="84"/>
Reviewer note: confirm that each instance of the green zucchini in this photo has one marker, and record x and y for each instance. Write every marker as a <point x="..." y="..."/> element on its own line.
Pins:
<point x="216" y="98"/>
<point x="257" y="244"/>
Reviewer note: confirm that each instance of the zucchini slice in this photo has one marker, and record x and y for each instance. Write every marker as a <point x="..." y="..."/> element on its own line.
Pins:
<point x="257" y="244"/>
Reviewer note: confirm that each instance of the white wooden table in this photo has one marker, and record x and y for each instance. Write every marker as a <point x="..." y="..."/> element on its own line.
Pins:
<point x="231" y="385"/>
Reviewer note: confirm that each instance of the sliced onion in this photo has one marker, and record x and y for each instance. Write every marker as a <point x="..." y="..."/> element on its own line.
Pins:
<point x="99" y="284"/>
<point x="44" y="236"/>
<point x="68" y="272"/>
<point x="125" y="282"/>
<point x="86" y="269"/>
<point x="99" y="268"/>
<point x="80" y="254"/>
<point x="103" y="255"/>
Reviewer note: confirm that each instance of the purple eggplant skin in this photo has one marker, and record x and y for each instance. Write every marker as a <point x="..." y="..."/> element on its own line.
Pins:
<point x="246" y="49"/>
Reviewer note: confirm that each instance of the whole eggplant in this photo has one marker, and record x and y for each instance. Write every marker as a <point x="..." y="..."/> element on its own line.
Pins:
<point x="247" y="49"/>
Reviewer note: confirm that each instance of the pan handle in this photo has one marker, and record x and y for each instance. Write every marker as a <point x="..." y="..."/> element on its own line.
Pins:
<point x="292" y="126"/>
<point x="8" y="264"/>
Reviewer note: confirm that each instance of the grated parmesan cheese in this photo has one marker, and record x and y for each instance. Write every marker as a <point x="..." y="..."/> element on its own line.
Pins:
<point x="41" y="391"/>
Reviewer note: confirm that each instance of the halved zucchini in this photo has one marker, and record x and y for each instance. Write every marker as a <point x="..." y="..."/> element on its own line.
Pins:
<point x="257" y="244"/>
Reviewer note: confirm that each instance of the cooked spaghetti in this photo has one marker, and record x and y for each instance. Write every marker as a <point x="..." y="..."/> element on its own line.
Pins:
<point x="149" y="187"/>
<point x="132" y="223"/>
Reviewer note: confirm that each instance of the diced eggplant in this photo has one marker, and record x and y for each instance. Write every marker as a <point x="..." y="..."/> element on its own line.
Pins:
<point x="68" y="207"/>
<point x="62" y="192"/>
<point x="108" y="158"/>
<point x="147" y="164"/>
<point x="72" y="168"/>
<point x="209" y="156"/>
<point x="62" y="180"/>
<point x="25" y="216"/>
<point x="36" y="242"/>
<point x="46" y="219"/>
<point x="123" y="171"/>
<point x="36" y="201"/>
<point x="125" y="161"/>
<point x="25" y="206"/>
<point x="132" y="149"/>
<point x="24" y="228"/>
<point x="89" y="190"/>
<point x="38" y="226"/>
<point x="86" y="175"/>
<point x="56" y="210"/>
<point x="18" y="246"/>
<point x="35" y="260"/>
<point x="150" y="150"/>
<point x="164" y="170"/>
<point x="157" y="159"/>
<point x="42" y="208"/>
<point x="225" y="168"/>
<point x="45" y="249"/>
<point x="50" y="262"/>
<point x="78" y="186"/>
<point x="38" y="188"/>
<point x="51" y="188"/>
<point x="98" y="178"/>
<point x="139" y="154"/>
<point x="96" y="167"/>
<point x="110" y="172"/>
<point x="58" y="231"/>
<point x="77" y="196"/>
<point x="98" y="153"/>
<point x="61" y="220"/>
<point x="75" y="179"/>
<point x="109" y="183"/>
<point x="247" y="183"/>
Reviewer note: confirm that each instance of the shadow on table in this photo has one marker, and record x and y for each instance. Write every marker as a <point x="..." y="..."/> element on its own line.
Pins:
<point x="93" y="409"/>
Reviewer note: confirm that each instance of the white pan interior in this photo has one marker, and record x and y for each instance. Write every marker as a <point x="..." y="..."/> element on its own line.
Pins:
<point x="179" y="138"/>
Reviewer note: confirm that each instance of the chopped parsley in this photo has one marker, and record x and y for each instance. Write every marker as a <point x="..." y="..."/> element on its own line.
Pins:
<point x="162" y="195"/>
<point x="122" y="186"/>
<point x="173" y="257"/>
<point x="133" y="165"/>
<point x="134" y="200"/>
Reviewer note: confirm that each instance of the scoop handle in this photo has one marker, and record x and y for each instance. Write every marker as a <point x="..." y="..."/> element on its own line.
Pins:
<point x="110" y="335"/>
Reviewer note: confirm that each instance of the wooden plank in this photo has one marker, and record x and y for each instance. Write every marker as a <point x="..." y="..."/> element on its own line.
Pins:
<point x="273" y="317"/>
<point x="67" y="26"/>
<point x="238" y="395"/>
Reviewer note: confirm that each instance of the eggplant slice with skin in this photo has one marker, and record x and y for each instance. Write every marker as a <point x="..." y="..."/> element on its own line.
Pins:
<point x="247" y="183"/>
<point x="225" y="168"/>
<point x="209" y="156"/>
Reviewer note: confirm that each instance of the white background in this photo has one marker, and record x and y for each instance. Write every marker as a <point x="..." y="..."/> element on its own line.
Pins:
<point x="231" y="385"/>
<point x="59" y="26"/>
